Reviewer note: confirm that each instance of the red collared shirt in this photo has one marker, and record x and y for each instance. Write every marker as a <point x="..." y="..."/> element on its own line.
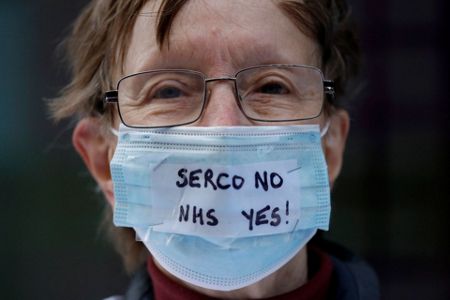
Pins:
<point x="317" y="288"/>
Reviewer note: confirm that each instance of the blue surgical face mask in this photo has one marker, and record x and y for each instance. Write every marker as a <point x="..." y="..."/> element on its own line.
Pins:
<point x="221" y="207"/>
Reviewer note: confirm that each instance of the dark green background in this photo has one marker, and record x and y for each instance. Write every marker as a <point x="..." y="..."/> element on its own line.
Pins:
<point x="390" y="205"/>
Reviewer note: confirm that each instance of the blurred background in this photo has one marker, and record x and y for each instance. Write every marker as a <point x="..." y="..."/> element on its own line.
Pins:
<point x="391" y="204"/>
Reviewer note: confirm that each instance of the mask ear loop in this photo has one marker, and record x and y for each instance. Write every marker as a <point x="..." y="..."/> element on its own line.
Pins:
<point x="114" y="131"/>
<point x="324" y="130"/>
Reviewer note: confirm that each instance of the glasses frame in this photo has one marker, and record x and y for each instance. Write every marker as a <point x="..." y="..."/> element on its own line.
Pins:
<point x="112" y="96"/>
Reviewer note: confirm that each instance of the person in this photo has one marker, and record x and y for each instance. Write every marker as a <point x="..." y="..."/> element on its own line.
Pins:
<point x="215" y="130"/>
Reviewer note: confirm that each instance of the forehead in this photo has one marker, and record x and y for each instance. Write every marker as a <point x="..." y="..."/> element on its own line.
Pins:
<point x="218" y="38"/>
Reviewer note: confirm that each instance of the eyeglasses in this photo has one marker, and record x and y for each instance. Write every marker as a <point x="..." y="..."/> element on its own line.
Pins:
<point x="174" y="97"/>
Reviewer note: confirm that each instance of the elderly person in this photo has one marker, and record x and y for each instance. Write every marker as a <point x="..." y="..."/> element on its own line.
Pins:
<point x="214" y="131"/>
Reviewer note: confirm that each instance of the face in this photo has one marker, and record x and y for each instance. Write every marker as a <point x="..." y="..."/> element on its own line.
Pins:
<point x="219" y="38"/>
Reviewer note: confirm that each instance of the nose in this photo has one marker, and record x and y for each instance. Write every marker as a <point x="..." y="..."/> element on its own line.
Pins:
<point x="221" y="107"/>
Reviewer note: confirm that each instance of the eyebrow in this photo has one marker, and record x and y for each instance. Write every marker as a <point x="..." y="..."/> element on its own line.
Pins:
<point x="173" y="59"/>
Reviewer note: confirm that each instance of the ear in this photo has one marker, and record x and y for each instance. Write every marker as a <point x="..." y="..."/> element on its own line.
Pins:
<point x="96" y="150"/>
<point x="334" y="142"/>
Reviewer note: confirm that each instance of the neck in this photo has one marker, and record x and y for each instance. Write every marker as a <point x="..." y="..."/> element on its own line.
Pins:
<point x="296" y="270"/>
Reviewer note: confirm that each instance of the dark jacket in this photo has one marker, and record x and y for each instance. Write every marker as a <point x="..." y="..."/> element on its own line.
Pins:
<point x="352" y="278"/>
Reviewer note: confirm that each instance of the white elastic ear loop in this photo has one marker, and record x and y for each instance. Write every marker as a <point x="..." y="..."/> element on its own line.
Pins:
<point x="114" y="131"/>
<point x="324" y="130"/>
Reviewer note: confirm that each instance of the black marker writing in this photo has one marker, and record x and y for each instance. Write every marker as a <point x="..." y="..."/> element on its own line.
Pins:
<point x="197" y="215"/>
<point x="261" y="217"/>
<point x="275" y="180"/>
<point x="264" y="216"/>
<point x="276" y="219"/>
<point x="222" y="181"/>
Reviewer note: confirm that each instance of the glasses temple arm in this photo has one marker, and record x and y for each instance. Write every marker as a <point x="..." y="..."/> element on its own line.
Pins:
<point x="111" y="97"/>
<point x="108" y="97"/>
<point x="328" y="87"/>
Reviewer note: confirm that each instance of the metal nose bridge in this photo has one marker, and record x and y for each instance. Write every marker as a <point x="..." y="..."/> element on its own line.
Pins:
<point x="235" y="92"/>
<point x="233" y="79"/>
<point x="220" y="78"/>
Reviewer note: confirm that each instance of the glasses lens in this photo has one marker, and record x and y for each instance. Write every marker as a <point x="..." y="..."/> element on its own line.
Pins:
<point x="160" y="98"/>
<point x="281" y="93"/>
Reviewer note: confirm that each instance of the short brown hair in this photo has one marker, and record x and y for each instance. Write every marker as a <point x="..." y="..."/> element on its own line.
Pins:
<point x="98" y="44"/>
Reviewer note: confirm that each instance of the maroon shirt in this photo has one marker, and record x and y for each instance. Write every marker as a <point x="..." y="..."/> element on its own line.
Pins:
<point x="317" y="288"/>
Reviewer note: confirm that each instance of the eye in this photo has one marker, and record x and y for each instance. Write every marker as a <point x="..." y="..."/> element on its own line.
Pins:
<point x="168" y="93"/>
<point x="273" y="88"/>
